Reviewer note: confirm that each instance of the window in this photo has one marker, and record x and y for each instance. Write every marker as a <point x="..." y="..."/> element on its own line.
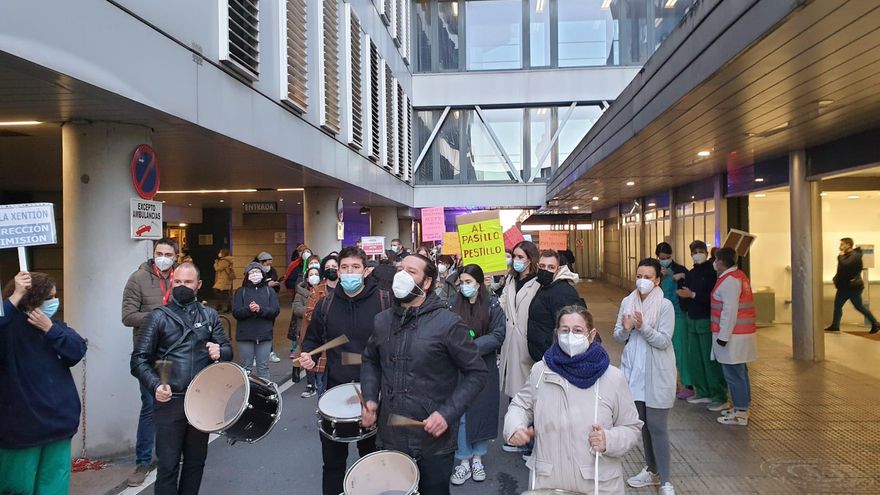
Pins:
<point x="240" y="44"/>
<point x="494" y="34"/>
<point x="507" y="124"/>
<point x="422" y="40"/>
<point x="577" y="126"/>
<point x="296" y="79"/>
<point x="353" y="89"/>
<point x="540" y="134"/>
<point x="448" y="147"/>
<point x="329" y="56"/>
<point x="483" y="159"/>
<point x="587" y="33"/>
<point x="423" y="124"/>
<point x="539" y="33"/>
<point x="448" y="40"/>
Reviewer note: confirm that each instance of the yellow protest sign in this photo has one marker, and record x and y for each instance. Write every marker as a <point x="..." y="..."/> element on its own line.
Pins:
<point x="451" y="246"/>
<point x="482" y="241"/>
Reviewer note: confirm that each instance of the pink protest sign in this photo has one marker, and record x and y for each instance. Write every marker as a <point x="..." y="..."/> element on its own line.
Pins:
<point x="512" y="237"/>
<point x="433" y="224"/>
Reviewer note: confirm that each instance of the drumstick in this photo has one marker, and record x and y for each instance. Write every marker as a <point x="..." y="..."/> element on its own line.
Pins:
<point x="338" y="341"/>
<point x="398" y="420"/>
<point x="163" y="367"/>
<point x="360" y="395"/>
<point x="351" y="359"/>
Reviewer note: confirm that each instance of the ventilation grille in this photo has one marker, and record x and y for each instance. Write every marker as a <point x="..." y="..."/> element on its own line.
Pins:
<point x="401" y="133"/>
<point x="243" y="43"/>
<point x="297" y="62"/>
<point x="355" y="86"/>
<point x="375" y="133"/>
<point x="409" y="158"/>
<point x="384" y="10"/>
<point x="330" y="55"/>
<point x="396" y="33"/>
<point x="390" y="113"/>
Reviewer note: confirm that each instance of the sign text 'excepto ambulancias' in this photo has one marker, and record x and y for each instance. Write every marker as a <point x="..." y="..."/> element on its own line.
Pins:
<point x="146" y="219"/>
<point x="30" y="224"/>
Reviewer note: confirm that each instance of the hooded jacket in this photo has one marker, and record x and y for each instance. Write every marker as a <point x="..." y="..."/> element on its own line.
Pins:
<point x="142" y="294"/>
<point x="422" y="360"/>
<point x="255" y="326"/>
<point x="302" y="292"/>
<point x="849" y="271"/>
<point x="701" y="280"/>
<point x="542" y="313"/>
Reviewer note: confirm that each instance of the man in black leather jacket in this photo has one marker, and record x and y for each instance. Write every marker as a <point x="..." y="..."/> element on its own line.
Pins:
<point x="427" y="367"/>
<point x="190" y="336"/>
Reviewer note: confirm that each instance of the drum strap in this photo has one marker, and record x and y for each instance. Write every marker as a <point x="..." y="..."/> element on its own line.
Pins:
<point x="186" y="328"/>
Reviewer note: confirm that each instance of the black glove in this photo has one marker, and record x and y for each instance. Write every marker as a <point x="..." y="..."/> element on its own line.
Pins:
<point x="722" y="343"/>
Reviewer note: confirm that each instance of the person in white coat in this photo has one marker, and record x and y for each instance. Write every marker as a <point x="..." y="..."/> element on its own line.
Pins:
<point x="516" y="299"/>
<point x="646" y="323"/>
<point x="579" y="406"/>
<point x="733" y="328"/>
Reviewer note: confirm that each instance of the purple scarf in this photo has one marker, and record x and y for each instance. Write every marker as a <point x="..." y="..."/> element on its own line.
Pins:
<point x="582" y="370"/>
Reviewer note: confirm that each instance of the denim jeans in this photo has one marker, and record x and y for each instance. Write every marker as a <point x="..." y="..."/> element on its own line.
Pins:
<point x="146" y="431"/>
<point x="737" y="376"/>
<point x="855" y="296"/>
<point x="467" y="450"/>
<point x="320" y="382"/>
<point x="175" y="437"/>
<point x="248" y="350"/>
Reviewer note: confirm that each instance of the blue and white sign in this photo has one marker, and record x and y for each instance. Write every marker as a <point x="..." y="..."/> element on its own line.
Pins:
<point x="31" y="224"/>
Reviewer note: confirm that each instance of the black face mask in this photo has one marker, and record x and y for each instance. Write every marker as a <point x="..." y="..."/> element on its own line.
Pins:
<point x="545" y="278"/>
<point x="331" y="274"/>
<point x="183" y="295"/>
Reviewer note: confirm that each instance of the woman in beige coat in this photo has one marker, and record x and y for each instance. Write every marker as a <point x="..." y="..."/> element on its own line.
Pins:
<point x="224" y="274"/>
<point x="579" y="405"/>
<point x="519" y="290"/>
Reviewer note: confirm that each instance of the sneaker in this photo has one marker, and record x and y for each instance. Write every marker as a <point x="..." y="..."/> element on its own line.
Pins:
<point x="738" y="418"/>
<point x="728" y="412"/>
<point x="274" y="357"/>
<point x="513" y="448"/>
<point x="308" y="392"/>
<point x="479" y="473"/>
<point x="460" y="475"/>
<point x="696" y="399"/>
<point x="718" y="406"/>
<point x="685" y="393"/>
<point x="139" y="475"/>
<point x="874" y="329"/>
<point x="644" y="478"/>
<point x="832" y="329"/>
<point x="667" y="489"/>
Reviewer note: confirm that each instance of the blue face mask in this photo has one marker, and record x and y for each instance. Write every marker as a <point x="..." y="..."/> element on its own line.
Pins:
<point x="666" y="263"/>
<point x="351" y="282"/>
<point x="50" y="306"/>
<point x="519" y="266"/>
<point x="468" y="290"/>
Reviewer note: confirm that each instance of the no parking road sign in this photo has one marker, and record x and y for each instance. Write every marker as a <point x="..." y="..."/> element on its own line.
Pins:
<point x="145" y="171"/>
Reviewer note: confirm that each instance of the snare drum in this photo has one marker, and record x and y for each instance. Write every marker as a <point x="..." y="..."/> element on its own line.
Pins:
<point x="386" y="472"/>
<point x="224" y="399"/>
<point x="339" y="415"/>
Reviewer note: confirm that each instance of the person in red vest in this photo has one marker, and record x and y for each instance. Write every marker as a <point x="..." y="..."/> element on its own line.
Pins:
<point x="733" y="327"/>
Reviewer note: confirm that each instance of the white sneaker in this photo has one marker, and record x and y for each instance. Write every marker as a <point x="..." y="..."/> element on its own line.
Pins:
<point x="728" y="412"/>
<point x="478" y="471"/>
<point x="667" y="489"/>
<point x="738" y="418"/>
<point x="719" y="406"/>
<point x="274" y="357"/>
<point x="644" y="478"/>
<point x="460" y="475"/>
<point x="696" y="399"/>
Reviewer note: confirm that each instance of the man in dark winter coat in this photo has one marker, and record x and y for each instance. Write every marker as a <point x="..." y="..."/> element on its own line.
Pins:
<point x="849" y="284"/>
<point x="427" y="367"/>
<point x="348" y="310"/>
<point x="557" y="291"/>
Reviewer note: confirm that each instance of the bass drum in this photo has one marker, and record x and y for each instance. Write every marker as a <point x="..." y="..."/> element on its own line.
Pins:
<point x="386" y="472"/>
<point x="223" y="398"/>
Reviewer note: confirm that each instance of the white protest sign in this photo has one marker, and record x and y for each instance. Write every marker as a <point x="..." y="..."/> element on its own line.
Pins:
<point x="31" y="224"/>
<point x="146" y="219"/>
<point x="373" y="245"/>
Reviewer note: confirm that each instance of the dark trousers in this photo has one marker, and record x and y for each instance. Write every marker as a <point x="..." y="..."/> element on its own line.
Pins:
<point x="335" y="456"/>
<point x="434" y="473"/>
<point x="855" y="296"/>
<point x="175" y="437"/>
<point x="146" y="432"/>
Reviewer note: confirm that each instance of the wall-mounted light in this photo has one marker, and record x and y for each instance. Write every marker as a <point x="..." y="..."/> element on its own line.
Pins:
<point x="704" y="153"/>
<point x="759" y="179"/>
<point x="575" y="207"/>
<point x="652" y="204"/>
<point x="20" y="122"/>
<point x="630" y="183"/>
<point x="181" y="225"/>
<point x="595" y="198"/>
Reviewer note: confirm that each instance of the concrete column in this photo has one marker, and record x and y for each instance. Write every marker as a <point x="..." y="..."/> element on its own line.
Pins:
<point x="383" y="221"/>
<point x="320" y="220"/>
<point x="808" y="340"/>
<point x="96" y="178"/>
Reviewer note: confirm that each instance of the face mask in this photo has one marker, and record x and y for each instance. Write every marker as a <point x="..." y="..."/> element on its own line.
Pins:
<point x="183" y="295"/>
<point x="644" y="285"/>
<point x="314" y="280"/>
<point x="332" y="274"/>
<point x="404" y="287"/>
<point x="441" y="268"/>
<point x="573" y="343"/>
<point x="265" y="268"/>
<point x="306" y="255"/>
<point x="352" y="282"/>
<point x="519" y="266"/>
<point x="699" y="258"/>
<point x="715" y="266"/>
<point x="468" y="290"/>
<point x="314" y="265"/>
<point x="509" y="260"/>
<point x="666" y="263"/>
<point x="255" y="277"/>
<point x="50" y="306"/>
<point x="163" y="263"/>
<point x="545" y="277"/>
<point x="395" y="249"/>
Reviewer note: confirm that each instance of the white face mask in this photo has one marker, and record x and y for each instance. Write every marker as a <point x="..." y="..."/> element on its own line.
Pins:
<point x="573" y="343"/>
<point x="644" y="285"/>
<point x="715" y="266"/>
<point x="441" y="268"/>
<point x="255" y="277"/>
<point x="306" y="255"/>
<point x="699" y="258"/>
<point x="404" y="284"/>
<point x="163" y="263"/>
<point x="314" y="280"/>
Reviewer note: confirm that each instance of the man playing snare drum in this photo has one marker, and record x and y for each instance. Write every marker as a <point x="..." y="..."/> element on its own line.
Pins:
<point x="189" y="335"/>
<point x="349" y="310"/>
